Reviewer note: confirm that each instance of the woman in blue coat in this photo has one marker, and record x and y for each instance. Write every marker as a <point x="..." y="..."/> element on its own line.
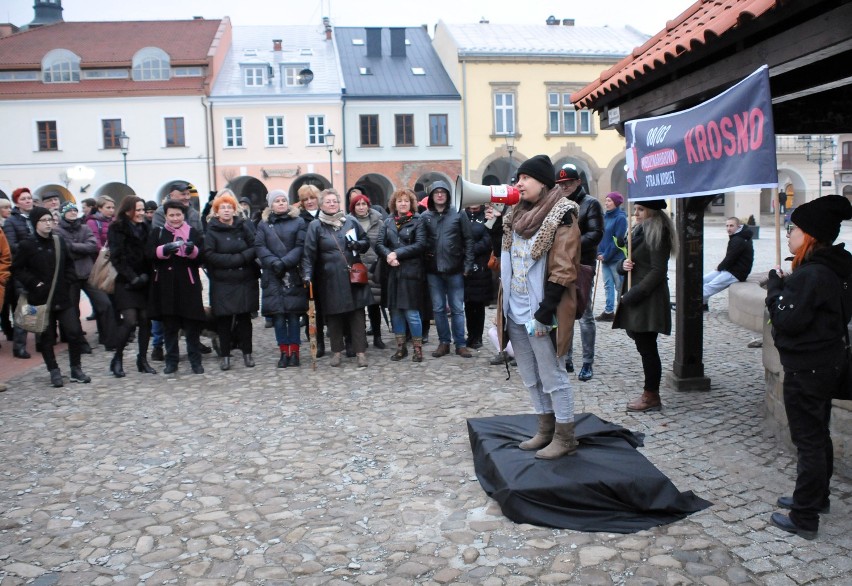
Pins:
<point x="610" y="255"/>
<point x="279" y="243"/>
<point x="229" y="254"/>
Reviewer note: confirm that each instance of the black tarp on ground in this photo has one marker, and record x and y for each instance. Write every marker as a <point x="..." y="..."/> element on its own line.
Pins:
<point x="606" y="486"/>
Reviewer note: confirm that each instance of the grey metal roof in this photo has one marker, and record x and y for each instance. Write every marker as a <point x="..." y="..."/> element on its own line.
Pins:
<point x="253" y="44"/>
<point x="542" y="40"/>
<point x="392" y="77"/>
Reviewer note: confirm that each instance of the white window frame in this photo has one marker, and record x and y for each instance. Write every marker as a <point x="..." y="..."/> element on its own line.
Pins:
<point x="60" y="66"/>
<point x="563" y="118"/>
<point x="151" y="64"/>
<point x="233" y="132"/>
<point x="315" y="129"/>
<point x="276" y="131"/>
<point x="290" y="73"/>
<point x="504" y="113"/>
<point x="254" y="75"/>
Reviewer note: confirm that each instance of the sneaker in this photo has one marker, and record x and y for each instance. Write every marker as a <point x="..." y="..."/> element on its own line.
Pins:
<point x="585" y="372"/>
<point x="157" y="354"/>
<point x="606" y="316"/>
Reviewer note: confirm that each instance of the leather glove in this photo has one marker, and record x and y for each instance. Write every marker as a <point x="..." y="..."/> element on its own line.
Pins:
<point x="547" y="307"/>
<point x="189" y="247"/>
<point x="139" y="281"/>
<point x="170" y="248"/>
<point x="278" y="268"/>
<point x="351" y="244"/>
<point x="306" y="282"/>
<point x="632" y="297"/>
<point x="774" y="286"/>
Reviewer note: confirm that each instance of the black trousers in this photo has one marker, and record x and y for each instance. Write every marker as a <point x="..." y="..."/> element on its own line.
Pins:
<point x="102" y="307"/>
<point x="646" y="345"/>
<point x="172" y="325"/>
<point x="807" y="400"/>
<point x="474" y="315"/>
<point x="231" y="327"/>
<point x="70" y="324"/>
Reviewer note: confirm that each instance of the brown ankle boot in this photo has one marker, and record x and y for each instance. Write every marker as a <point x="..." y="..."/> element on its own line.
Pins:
<point x="401" y="348"/>
<point x="546" y="425"/>
<point x="441" y="350"/>
<point x="649" y="401"/>
<point x="563" y="443"/>
<point x="418" y="350"/>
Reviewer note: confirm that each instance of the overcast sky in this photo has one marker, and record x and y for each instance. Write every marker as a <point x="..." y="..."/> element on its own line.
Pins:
<point x="647" y="16"/>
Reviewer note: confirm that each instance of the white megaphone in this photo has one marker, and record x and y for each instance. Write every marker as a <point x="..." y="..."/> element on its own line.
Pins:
<point x="470" y="194"/>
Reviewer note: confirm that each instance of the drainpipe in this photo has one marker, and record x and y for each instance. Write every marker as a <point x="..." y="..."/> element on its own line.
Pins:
<point x="343" y="122"/>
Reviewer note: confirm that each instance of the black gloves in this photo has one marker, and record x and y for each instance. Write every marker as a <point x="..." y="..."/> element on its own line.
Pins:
<point x="774" y="286"/>
<point x="139" y="281"/>
<point x="278" y="268"/>
<point x="190" y="246"/>
<point x="351" y="244"/>
<point x="170" y="248"/>
<point x="552" y="295"/>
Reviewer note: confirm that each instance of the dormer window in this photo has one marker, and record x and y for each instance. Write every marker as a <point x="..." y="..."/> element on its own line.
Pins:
<point x="151" y="64"/>
<point x="254" y="75"/>
<point x="290" y="74"/>
<point x="60" y="66"/>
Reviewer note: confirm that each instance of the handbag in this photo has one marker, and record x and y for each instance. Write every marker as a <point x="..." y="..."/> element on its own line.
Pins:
<point x="103" y="273"/>
<point x="494" y="263"/>
<point x="34" y="318"/>
<point x="358" y="274"/>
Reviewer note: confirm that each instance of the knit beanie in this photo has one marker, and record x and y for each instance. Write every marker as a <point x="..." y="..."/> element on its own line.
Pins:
<point x="355" y="199"/>
<point x="821" y="217"/>
<point x="67" y="207"/>
<point x="539" y="168"/>
<point x="275" y="194"/>
<point x="616" y="198"/>
<point x="36" y="214"/>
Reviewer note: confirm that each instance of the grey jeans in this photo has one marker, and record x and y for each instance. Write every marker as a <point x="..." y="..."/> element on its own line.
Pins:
<point x="587" y="332"/>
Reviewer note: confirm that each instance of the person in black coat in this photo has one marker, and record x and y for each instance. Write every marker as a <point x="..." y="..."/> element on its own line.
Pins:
<point x="401" y="243"/>
<point x="280" y="242"/>
<point x="736" y="266"/>
<point x="233" y="271"/>
<point x="17" y="229"/>
<point x="477" y="283"/>
<point x="809" y="309"/>
<point x="35" y="267"/>
<point x="127" y="238"/>
<point x="176" y="253"/>
<point x="332" y="245"/>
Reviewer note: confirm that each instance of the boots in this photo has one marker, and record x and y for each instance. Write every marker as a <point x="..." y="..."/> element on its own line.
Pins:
<point x="563" y="443"/>
<point x="418" y="350"/>
<point x="116" y="365"/>
<point x="401" y="348"/>
<point x="377" y="342"/>
<point x="77" y="375"/>
<point x="142" y="364"/>
<point x="56" y="378"/>
<point x="320" y="344"/>
<point x="225" y="363"/>
<point x="285" y="351"/>
<point x="248" y="360"/>
<point x="362" y="360"/>
<point x="336" y="359"/>
<point x="441" y="350"/>
<point x="649" y="401"/>
<point x="294" y="355"/>
<point x="546" y="425"/>
<point x="19" y="343"/>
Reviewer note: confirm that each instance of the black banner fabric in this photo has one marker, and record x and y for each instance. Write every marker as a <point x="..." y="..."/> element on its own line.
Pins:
<point x="606" y="486"/>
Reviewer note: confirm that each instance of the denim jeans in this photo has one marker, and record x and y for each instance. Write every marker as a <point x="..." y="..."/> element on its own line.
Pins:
<point x="399" y="317"/>
<point x="286" y="328"/>
<point x="587" y="333"/>
<point x="448" y="289"/>
<point x="612" y="283"/>
<point x="543" y="373"/>
<point x="157" y="333"/>
<point x="717" y="281"/>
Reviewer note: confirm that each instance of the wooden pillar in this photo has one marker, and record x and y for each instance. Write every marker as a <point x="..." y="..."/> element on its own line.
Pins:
<point x="688" y="368"/>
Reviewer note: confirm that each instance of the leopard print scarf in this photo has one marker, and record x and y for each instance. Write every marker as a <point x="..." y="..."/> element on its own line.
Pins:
<point x="547" y="232"/>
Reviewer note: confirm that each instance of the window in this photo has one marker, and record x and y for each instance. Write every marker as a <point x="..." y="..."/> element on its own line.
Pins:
<point x="316" y="130"/>
<point x="150" y="64"/>
<point x="404" y="129"/>
<point x="846" y="156"/>
<point x="175" y="136"/>
<point x="233" y="132"/>
<point x="111" y="131"/>
<point x="188" y="71"/>
<point x="275" y="131"/>
<point x="47" y="138"/>
<point x="254" y="76"/>
<point x="438" y="130"/>
<point x="105" y="74"/>
<point x="60" y="66"/>
<point x="369" y="130"/>
<point x="563" y="118"/>
<point x="504" y="113"/>
<point x="290" y="74"/>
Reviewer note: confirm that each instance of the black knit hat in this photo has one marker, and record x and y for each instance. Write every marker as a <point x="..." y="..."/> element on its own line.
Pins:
<point x="36" y="214"/>
<point x="652" y="204"/>
<point x="821" y="217"/>
<point x="539" y="168"/>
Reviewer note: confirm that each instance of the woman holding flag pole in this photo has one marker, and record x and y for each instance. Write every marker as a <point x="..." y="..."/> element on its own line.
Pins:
<point x="644" y="311"/>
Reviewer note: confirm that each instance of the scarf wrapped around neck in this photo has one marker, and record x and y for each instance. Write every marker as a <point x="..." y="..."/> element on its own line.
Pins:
<point x="526" y="218"/>
<point x="402" y="220"/>
<point x="334" y="220"/>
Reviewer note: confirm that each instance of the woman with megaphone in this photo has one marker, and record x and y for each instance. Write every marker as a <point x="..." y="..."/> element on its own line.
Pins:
<point x="540" y="258"/>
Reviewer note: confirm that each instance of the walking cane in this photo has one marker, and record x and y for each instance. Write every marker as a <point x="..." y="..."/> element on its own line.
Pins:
<point x="595" y="288"/>
<point x="312" y="324"/>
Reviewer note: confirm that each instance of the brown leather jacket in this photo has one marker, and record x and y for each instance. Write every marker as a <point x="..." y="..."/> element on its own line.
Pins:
<point x="563" y="260"/>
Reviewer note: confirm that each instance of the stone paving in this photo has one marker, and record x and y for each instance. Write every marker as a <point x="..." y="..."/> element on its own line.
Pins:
<point x="270" y="477"/>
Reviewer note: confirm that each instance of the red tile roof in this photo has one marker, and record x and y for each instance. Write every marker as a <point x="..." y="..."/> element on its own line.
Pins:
<point x="697" y="24"/>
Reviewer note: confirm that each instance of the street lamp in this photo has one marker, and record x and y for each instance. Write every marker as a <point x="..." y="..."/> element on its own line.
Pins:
<point x="124" y="145"/>
<point x="819" y="148"/>
<point x="329" y="145"/>
<point x="510" y="148"/>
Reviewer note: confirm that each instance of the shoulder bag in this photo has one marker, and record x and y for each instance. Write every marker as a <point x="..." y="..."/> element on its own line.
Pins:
<point x="103" y="273"/>
<point x="34" y="318"/>
<point x="358" y="274"/>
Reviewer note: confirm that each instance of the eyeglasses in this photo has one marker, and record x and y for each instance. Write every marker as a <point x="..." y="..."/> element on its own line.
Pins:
<point x="46" y="220"/>
<point x="790" y="228"/>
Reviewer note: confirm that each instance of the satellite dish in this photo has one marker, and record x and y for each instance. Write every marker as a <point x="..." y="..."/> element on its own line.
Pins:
<point x="305" y="77"/>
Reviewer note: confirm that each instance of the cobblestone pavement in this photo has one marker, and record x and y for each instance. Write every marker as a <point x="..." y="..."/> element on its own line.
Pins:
<point x="267" y="476"/>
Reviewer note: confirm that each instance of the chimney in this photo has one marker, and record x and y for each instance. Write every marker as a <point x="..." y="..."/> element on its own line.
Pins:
<point x="397" y="35"/>
<point x="276" y="45"/>
<point x="374" y="42"/>
<point x="327" y="24"/>
<point x="567" y="22"/>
